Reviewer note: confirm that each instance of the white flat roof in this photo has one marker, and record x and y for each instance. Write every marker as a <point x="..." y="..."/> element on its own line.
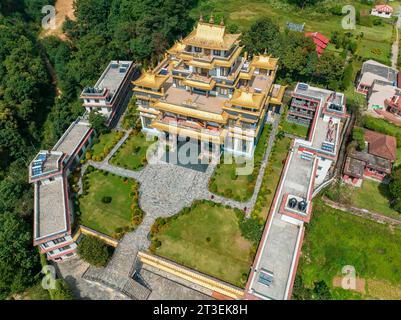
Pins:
<point x="50" y="214"/>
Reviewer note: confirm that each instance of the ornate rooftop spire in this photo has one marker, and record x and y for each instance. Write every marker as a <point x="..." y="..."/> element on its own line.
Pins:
<point x="222" y="21"/>
<point x="211" y="20"/>
<point x="201" y="18"/>
<point x="265" y="52"/>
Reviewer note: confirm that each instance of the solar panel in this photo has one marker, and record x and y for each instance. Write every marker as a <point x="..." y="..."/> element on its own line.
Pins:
<point x="303" y="86"/>
<point x="266" y="278"/>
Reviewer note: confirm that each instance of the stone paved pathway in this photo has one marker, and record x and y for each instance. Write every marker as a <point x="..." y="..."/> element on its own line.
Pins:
<point x="164" y="190"/>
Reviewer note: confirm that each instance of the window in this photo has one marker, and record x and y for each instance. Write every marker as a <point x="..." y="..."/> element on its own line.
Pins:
<point x="224" y="72"/>
<point x="223" y="91"/>
<point x="59" y="240"/>
<point x="97" y="100"/>
<point x="45" y="245"/>
<point x="319" y="168"/>
<point x="65" y="248"/>
<point x="216" y="52"/>
<point x="197" y="49"/>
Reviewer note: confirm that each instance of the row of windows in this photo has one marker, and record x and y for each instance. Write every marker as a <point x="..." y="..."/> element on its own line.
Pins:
<point x="56" y="241"/>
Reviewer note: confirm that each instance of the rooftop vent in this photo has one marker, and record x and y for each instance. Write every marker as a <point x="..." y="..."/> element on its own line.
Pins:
<point x="265" y="277"/>
<point x="292" y="203"/>
<point x="302" y="206"/>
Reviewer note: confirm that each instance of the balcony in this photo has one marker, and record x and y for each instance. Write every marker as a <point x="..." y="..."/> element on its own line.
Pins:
<point x="195" y="125"/>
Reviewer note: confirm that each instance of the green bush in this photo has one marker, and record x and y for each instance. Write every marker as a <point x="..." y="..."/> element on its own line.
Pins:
<point x="94" y="251"/>
<point x="61" y="292"/>
<point x="106" y="199"/>
<point x="251" y="229"/>
<point x="358" y="135"/>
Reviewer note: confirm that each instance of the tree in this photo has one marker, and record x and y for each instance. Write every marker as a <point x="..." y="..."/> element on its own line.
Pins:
<point x="303" y="3"/>
<point x="263" y="35"/>
<point x="18" y="261"/>
<point x="94" y="251"/>
<point x="97" y="121"/>
<point x="395" y="188"/>
<point x="358" y="135"/>
<point x="62" y="291"/>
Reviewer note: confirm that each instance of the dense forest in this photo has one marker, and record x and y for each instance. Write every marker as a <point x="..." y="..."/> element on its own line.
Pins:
<point x="34" y="113"/>
<point x="41" y="77"/>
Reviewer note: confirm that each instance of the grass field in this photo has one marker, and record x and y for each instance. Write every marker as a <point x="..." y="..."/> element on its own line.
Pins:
<point x="208" y="239"/>
<point x="227" y="183"/>
<point x="105" y="143"/>
<point x="106" y="217"/>
<point x="132" y="153"/>
<point x="295" y="129"/>
<point x="316" y="18"/>
<point x="272" y="175"/>
<point x="335" y="239"/>
<point x="374" y="196"/>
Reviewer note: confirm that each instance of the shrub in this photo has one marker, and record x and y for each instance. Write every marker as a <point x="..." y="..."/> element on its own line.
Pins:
<point x="94" y="251"/>
<point x="251" y="229"/>
<point x="358" y="136"/>
<point x="106" y="199"/>
<point x="61" y="291"/>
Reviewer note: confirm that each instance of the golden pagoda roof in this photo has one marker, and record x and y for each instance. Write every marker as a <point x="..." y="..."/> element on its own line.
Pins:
<point x="211" y="36"/>
<point x="247" y="98"/>
<point x="264" y="61"/>
<point x="200" y="85"/>
<point x="185" y="111"/>
<point x="149" y="79"/>
<point x="178" y="47"/>
<point x="204" y="136"/>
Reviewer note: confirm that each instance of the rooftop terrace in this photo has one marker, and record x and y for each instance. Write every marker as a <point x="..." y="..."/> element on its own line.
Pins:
<point x="50" y="209"/>
<point x="73" y="137"/>
<point x="111" y="79"/>
<point x="276" y="258"/>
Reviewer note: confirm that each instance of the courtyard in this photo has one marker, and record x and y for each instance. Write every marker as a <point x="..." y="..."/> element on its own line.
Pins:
<point x="207" y="238"/>
<point x="104" y="217"/>
<point x="132" y="154"/>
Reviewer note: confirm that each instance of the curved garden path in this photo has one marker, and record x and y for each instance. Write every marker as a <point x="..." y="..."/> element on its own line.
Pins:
<point x="164" y="190"/>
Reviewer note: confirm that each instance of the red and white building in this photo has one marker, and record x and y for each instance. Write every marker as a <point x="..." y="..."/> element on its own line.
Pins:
<point x="110" y="91"/>
<point x="306" y="169"/>
<point x="375" y="162"/>
<point x="48" y="172"/>
<point x="382" y="11"/>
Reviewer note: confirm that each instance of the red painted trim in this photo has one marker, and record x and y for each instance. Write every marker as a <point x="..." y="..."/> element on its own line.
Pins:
<point x="79" y="148"/>
<point x="295" y="267"/>
<point x="267" y="224"/>
<point x="56" y="247"/>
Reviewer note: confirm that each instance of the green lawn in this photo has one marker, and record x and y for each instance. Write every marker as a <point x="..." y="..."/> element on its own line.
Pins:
<point x="335" y="239"/>
<point x="227" y="183"/>
<point x="272" y="176"/>
<point x="106" y="217"/>
<point x="104" y="143"/>
<point x="295" y="129"/>
<point x="374" y="196"/>
<point x="208" y="239"/>
<point x="132" y="154"/>
<point x="316" y="18"/>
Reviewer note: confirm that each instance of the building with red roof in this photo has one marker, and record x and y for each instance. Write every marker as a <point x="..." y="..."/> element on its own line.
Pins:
<point x="375" y="162"/>
<point x="320" y="40"/>
<point x="382" y="10"/>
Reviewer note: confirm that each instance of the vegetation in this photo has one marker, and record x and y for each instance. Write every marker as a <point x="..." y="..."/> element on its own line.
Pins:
<point x="205" y="237"/>
<point x="295" y="129"/>
<point x="372" y="195"/>
<point x="358" y="136"/>
<point x="271" y="178"/>
<point x="62" y="291"/>
<point x="131" y="117"/>
<point x="132" y="154"/>
<point x="225" y="180"/>
<point x="94" y="251"/>
<point x="395" y="188"/>
<point x="109" y="203"/>
<point x="103" y="145"/>
<point x="335" y="239"/>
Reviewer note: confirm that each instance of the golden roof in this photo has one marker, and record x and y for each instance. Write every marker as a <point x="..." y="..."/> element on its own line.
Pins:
<point x="200" y="85"/>
<point x="178" y="47"/>
<point x="185" y="111"/>
<point x="204" y="136"/>
<point x="211" y="36"/>
<point x="149" y="79"/>
<point x="246" y="98"/>
<point x="264" y="61"/>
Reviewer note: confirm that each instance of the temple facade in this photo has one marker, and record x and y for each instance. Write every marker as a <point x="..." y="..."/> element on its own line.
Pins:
<point x="205" y="89"/>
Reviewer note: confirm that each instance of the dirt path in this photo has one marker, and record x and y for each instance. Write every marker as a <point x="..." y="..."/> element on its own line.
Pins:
<point x="395" y="47"/>
<point x="64" y="9"/>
